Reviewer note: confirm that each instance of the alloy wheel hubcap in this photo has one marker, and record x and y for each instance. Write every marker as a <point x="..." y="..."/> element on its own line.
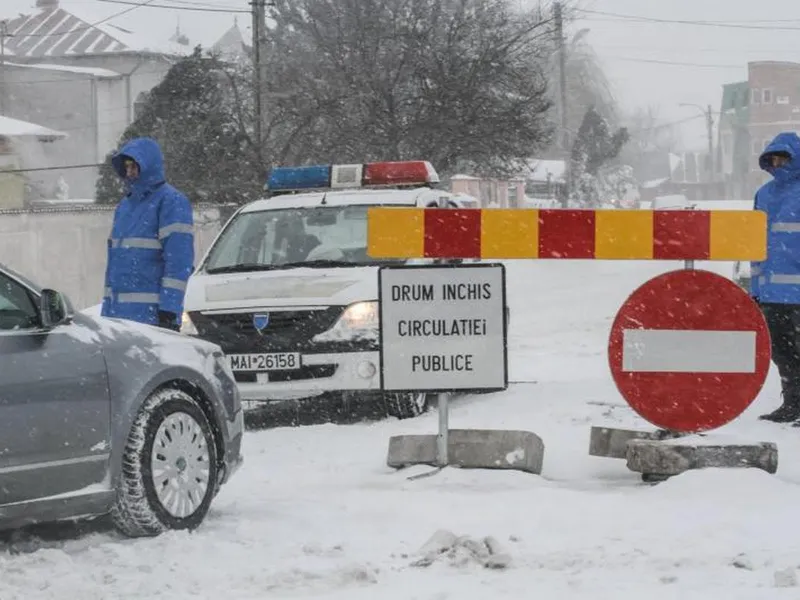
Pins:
<point x="180" y="465"/>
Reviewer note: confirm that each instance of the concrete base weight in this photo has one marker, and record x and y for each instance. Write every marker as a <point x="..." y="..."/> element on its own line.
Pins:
<point x="658" y="460"/>
<point x="471" y="449"/>
<point x="609" y="442"/>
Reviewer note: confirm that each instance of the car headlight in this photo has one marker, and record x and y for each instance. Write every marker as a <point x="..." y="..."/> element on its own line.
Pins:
<point x="187" y="327"/>
<point x="358" y="321"/>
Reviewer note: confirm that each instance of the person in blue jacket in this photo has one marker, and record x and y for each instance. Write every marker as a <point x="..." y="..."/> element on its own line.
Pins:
<point x="151" y="248"/>
<point x="775" y="281"/>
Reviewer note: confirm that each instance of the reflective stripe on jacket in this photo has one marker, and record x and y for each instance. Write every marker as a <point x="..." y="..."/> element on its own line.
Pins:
<point x="777" y="279"/>
<point x="151" y="248"/>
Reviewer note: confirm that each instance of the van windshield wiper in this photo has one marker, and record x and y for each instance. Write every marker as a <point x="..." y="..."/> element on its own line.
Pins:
<point x="312" y="264"/>
<point x="241" y="268"/>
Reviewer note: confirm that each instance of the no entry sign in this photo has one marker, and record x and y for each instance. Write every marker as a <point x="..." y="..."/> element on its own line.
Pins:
<point x="689" y="351"/>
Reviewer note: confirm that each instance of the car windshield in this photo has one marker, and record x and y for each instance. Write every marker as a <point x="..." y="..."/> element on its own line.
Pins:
<point x="320" y="236"/>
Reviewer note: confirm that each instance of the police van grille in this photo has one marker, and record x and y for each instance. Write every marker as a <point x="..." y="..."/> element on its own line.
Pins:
<point x="287" y="330"/>
<point x="301" y="374"/>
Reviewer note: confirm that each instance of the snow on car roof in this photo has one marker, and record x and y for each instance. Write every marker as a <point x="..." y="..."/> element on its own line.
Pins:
<point x="345" y="198"/>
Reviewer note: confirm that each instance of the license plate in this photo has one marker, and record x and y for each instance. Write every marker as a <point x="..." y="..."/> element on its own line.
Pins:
<point x="280" y="361"/>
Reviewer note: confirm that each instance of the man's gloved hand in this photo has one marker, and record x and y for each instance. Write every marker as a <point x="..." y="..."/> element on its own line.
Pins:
<point x="168" y="320"/>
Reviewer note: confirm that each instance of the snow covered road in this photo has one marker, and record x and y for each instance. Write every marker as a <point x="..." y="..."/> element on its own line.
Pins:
<point x="315" y="512"/>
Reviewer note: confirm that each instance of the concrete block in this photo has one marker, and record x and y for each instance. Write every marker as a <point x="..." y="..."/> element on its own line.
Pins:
<point x="471" y="449"/>
<point x="609" y="442"/>
<point x="660" y="459"/>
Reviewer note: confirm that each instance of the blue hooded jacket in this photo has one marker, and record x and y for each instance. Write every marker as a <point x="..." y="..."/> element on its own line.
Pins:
<point x="777" y="279"/>
<point x="151" y="248"/>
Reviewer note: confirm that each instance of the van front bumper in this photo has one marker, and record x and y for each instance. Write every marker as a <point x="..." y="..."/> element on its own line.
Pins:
<point x="319" y="374"/>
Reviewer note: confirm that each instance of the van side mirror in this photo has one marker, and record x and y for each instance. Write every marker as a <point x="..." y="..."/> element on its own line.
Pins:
<point x="54" y="309"/>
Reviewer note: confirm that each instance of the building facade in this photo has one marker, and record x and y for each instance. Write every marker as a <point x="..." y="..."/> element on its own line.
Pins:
<point x="774" y="107"/>
<point x="77" y="74"/>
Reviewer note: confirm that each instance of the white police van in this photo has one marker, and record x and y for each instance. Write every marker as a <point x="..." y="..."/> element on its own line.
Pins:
<point x="289" y="292"/>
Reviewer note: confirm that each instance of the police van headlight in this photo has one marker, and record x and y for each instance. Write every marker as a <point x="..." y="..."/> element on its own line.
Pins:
<point x="187" y="327"/>
<point x="358" y="321"/>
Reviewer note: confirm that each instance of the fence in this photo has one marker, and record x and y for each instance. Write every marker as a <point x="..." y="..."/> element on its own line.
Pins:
<point x="64" y="247"/>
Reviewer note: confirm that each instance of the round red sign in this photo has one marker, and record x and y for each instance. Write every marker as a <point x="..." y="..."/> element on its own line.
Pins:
<point x="689" y="351"/>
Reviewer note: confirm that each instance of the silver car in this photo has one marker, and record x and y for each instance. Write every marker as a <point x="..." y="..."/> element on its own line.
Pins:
<point x="103" y="416"/>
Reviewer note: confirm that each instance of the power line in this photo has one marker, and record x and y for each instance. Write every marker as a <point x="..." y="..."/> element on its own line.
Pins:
<point x="64" y="168"/>
<point x="663" y="125"/>
<point x="725" y="24"/>
<point x="673" y="63"/>
<point x="192" y="8"/>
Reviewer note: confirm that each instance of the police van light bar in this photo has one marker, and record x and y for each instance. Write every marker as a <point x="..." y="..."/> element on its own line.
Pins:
<point x="400" y="173"/>
<point x="299" y="178"/>
<point x="381" y="174"/>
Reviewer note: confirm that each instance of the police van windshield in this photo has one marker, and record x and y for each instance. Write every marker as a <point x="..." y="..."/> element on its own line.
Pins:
<point x="321" y="236"/>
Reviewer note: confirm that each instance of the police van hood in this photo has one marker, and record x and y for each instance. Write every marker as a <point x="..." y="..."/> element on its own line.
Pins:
<point x="268" y="289"/>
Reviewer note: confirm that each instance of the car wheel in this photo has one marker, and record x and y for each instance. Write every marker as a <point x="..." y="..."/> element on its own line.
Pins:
<point x="406" y="406"/>
<point x="169" y="468"/>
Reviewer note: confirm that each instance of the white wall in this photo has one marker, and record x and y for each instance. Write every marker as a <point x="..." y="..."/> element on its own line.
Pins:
<point x="65" y="249"/>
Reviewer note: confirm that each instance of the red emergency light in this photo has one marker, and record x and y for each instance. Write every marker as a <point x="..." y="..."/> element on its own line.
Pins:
<point x="409" y="172"/>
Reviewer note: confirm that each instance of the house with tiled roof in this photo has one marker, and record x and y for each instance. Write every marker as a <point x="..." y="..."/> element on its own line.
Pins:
<point x="76" y="69"/>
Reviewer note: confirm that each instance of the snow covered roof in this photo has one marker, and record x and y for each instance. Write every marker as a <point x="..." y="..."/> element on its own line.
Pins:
<point x="232" y="44"/>
<point x="461" y="177"/>
<point x="540" y="169"/>
<point x="54" y="31"/>
<point x="654" y="183"/>
<point x="91" y="71"/>
<point x="15" y="128"/>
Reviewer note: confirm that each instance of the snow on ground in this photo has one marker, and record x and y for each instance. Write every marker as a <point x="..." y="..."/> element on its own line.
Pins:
<point x="315" y="513"/>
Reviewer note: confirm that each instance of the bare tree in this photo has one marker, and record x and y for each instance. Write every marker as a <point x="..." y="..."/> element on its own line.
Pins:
<point x="456" y="82"/>
<point x="649" y="136"/>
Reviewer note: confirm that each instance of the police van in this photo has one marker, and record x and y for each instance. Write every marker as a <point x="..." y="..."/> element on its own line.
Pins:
<point x="288" y="291"/>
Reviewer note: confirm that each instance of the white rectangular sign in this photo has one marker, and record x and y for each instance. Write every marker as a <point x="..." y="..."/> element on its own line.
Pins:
<point x="688" y="351"/>
<point x="443" y="328"/>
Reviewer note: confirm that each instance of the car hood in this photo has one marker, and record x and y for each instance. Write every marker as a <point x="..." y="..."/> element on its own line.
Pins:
<point x="299" y="287"/>
<point x="171" y="347"/>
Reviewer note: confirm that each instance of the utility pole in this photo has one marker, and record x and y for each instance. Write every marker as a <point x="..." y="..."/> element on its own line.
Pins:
<point x="558" y="19"/>
<point x="711" y="161"/>
<point x="259" y="13"/>
<point x="3" y="36"/>
<point x="708" y="113"/>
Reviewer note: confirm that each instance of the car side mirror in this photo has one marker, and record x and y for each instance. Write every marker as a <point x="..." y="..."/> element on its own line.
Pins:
<point x="54" y="309"/>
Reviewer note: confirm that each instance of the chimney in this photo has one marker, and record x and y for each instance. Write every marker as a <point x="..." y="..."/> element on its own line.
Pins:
<point x="46" y="4"/>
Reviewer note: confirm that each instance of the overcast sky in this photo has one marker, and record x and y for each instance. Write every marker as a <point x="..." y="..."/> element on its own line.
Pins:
<point x="649" y="60"/>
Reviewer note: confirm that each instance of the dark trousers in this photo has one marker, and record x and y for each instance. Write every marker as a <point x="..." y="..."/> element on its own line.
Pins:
<point x="783" y="321"/>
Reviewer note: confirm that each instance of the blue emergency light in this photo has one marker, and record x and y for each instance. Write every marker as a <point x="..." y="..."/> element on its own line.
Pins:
<point x="299" y="178"/>
<point x="380" y="174"/>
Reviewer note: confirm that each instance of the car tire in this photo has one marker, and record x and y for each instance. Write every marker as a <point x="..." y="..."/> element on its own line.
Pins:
<point x="406" y="405"/>
<point x="171" y="433"/>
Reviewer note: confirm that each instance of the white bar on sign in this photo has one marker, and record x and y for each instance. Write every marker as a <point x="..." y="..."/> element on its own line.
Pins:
<point x="688" y="351"/>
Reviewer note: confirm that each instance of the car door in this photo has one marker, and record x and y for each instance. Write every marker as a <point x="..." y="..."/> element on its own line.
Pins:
<point x="54" y="402"/>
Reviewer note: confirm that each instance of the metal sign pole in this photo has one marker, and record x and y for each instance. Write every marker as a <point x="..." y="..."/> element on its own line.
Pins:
<point x="689" y="263"/>
<point x="444" y="431"/>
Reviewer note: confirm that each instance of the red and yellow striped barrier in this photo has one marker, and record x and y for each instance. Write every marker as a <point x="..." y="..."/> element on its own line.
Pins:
<point x="560" y="233"/>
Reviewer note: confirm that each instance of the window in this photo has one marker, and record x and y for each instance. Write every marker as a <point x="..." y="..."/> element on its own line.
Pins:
<point x="755" y="96"/>
<point x="317" y="236"/>
<point x="17" y="308"/>
<point x="782" y="99"/>
<point x="766" y="96"/>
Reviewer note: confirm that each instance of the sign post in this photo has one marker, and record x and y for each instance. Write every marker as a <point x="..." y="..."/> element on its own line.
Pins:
<point x="689" y="351"/>
<point x="695" y="366"/>
<point x="443" y="330"/>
